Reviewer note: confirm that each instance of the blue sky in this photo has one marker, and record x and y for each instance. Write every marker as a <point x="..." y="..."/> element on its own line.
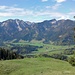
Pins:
<point x="37" y="10"/>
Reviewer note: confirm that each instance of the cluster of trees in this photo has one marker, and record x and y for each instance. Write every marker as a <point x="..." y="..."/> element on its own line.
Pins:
<point x="7" y="55"/>
<point x="69" y="51"/>
<point x="56" y="56"/>
<point x="59" y="56"/>
<point x="72" y="60"/>
<point x="25" y="49"/>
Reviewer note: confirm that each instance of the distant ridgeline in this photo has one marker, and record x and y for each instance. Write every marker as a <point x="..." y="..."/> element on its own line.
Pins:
<point x="7" y="55"/>
<point x="49" y="31"/>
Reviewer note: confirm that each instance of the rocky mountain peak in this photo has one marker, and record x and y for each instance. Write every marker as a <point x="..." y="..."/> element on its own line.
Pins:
<point x="49" y="30"/>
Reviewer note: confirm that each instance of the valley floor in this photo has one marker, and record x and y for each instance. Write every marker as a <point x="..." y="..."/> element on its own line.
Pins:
<point x="36" y="66"/>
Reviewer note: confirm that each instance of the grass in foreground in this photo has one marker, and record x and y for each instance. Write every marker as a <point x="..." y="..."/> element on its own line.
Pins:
<point x="36" y="66"/>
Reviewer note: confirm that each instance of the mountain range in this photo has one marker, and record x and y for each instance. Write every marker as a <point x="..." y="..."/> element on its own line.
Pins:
<point x="48" y="31"/>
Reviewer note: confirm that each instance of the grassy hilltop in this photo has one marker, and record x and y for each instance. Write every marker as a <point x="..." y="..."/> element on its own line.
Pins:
<point x="36" y="66"/>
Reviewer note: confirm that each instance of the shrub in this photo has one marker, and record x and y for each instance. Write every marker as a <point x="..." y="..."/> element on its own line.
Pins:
<point x="72" y="60"/>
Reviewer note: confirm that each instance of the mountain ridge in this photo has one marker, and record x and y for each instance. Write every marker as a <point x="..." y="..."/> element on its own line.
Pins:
<point x="50" y="30"/>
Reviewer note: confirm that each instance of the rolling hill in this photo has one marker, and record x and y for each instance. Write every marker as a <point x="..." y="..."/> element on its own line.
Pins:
<point x="36" y="66"/>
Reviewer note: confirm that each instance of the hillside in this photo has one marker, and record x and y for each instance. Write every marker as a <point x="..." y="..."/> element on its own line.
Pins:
<point x="57" y="31"/>
<point x="36" y="66"/>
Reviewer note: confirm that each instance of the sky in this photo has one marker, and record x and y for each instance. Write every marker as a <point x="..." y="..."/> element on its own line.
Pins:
<point x="37" y="10"/>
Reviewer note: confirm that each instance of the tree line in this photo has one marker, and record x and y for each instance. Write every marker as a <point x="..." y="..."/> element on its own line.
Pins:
<point x="7" y="54"/>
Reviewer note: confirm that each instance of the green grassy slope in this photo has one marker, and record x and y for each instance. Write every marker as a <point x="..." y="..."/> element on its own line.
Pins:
<point x="51" y="49"/>
<point x="36" y="66"/>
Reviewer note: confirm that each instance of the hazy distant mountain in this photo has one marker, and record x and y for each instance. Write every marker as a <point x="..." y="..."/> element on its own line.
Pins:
<point x="57" y="31"/>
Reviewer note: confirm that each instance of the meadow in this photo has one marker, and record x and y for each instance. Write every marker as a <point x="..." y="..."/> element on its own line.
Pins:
<point x="36" y="66"/>
<point x="45" y="48"/>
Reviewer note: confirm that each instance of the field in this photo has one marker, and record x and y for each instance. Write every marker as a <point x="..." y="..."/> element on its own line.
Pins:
<point x="36" y="66"/>
<point x="51" y="49"/>
<point x="46" y="48"/>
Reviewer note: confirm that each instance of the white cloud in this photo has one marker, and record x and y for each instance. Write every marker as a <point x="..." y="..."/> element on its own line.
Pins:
<point x="44" y="0"/>
<point x="56" y="6"/>
<point x="72" y="13"/>
<point x="59" y="1"/>
<point x="51" y="14"/>
<point x="14" y="11"/>
<point x="2" y="7"/>
<point x="6" y="11"/>
<point x="48" y="7"/>
<point x="5" y="14"/>
<point x="64" y="17"/>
